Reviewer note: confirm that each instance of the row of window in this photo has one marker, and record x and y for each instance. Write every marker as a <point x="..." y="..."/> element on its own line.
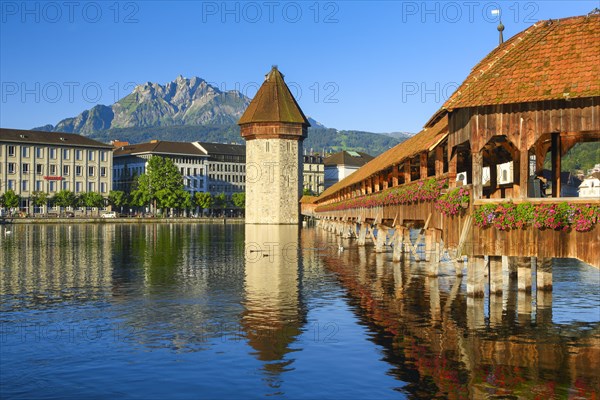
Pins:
<point x="226" y="188"/>
<point x="228" y="178"/>
<point x="66" y="153"/>
<point x="54" y="186"/>
<point x="227" y="167"/>
<point x="52" y="169"/>
<point x="190" y="171"/>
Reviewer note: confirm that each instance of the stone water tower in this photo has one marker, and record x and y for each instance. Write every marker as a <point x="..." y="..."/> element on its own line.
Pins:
<point x="274" y="127"/>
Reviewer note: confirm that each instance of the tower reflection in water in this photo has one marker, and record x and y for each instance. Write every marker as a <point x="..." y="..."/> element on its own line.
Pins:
<point x="273" y="315"/>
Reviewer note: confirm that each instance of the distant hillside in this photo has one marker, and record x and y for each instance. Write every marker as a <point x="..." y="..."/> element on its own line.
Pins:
<point x="319" y="139"/>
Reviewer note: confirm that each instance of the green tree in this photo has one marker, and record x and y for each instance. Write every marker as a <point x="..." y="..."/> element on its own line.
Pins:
<point x="64" y="198"/>
<point x="239" y="199"/>
<point x="90" y="199"/>
<point x="162" y="178"/>
<point x="307" y="192"/>
<point x="117" y="198"/>
<point x="10" y="199"/>
<point x="220" y="201"/>
<point x="40" y="199"/>
<point x="204" y="200"/>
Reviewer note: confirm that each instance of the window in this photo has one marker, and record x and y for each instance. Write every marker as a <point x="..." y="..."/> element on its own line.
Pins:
<point x="91" y="186"/>
<point x="66" y="170"/>
<point x="65" y="185"/>
<point x="78" y="186"/>
<point x="78" y="170"/>
<point x="52" y="169"/>
<point x="38" y="186"/>
<point x="103" y="155"/>
<point x="53" y="186"/>
<point x="24" y="185"/>
<point x="25" y="151"/>
<point x="11" y="151"/>
<point x="39" y="169"/>
<point x="66" y="154"/>
<point x="11" y="184"/>
<point x="91" y="155"/>
<point x="11" y="167"/>
<point x="53" y="154"/>
<point x="39" y="152"/>
<point x="91" y="171"/>
<point x="102" y="171"/>
<point x="78" y="155"/>
<point x="267" y="146"/>
<point x="25" y="168"/>
<point x="103" y="187"/>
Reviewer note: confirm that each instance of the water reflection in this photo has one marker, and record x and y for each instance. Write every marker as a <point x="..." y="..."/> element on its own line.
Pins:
<point x="273" y="315"/>
<point x="463" y="348"/>
<point x="232" y="311"/>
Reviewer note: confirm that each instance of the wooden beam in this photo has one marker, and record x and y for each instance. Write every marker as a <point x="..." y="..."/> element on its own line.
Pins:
<point x="439" y="161"/>
<point x="423" y="165"/>
<point x="407" y="171"/>
<point x="523" y="173"/>
<point x="477" y="167"/>
<point x="452" y="164"/>
<point x="556" y="164"/>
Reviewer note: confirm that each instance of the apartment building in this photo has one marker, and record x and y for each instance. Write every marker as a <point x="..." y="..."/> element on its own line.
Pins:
<point x="205" y="167"/>
<point x="34" y="161"/>
<point x="313" y="174"/>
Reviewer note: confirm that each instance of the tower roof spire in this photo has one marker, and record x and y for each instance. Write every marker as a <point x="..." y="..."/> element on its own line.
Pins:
<point x="274" y="103"/>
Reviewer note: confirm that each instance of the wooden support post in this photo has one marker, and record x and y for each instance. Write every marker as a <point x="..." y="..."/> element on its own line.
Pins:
<point x="406" y="243"/>
<point x="381" y="239"/>
<point x="428" y="244"/>
<point x="524" y="273"/>
<point x="544" y="274"/>
<point x="459" y="266"/>
<point x="423" y="165"/>
<point x="397" y="243"/>
<point x="475" y="276"/>
<point x="543" y="307"/>
<point x="395" y="174"/>
<point x="495" y="274"/>
<point x="556" y="161"/>
<point x="452" y="166"/>
<point x="435" y="307"/>
<point x="493" y="179"/>
<point x="439" y="161"/>
<point x="477" y="166"/>
<point x="362" y="234"/>
<point x="407" y="177"/>
<point x="523" y="173"/>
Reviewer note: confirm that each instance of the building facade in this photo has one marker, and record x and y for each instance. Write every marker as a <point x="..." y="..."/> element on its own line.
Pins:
<point x="274" y="127"/>
<point x="313" y="174"/>
<point x="33" y="161"/>
<point x="342" y="164"/>
<point x="205" y="167"/>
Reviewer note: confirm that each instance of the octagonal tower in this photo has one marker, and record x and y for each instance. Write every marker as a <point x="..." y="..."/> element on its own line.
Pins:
<point x="274" y="127"/>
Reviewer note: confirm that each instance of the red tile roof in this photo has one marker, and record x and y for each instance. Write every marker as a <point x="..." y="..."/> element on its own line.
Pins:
<point x="422" y="141"/>
<point x="554" y="59"/>
<point x="274" y="103"/>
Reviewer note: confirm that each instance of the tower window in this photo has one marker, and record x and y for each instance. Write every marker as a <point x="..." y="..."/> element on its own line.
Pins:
<point x="267" y="147"/>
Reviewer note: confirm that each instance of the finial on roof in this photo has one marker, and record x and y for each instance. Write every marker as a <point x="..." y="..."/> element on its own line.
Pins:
<point x="500" y="30"/>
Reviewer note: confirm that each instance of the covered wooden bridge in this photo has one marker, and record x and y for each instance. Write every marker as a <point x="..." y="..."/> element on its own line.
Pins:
<point x="473" y="180"/>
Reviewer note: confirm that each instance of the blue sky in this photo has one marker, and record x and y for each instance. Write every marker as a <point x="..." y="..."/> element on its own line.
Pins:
<point x="366" y="65"/>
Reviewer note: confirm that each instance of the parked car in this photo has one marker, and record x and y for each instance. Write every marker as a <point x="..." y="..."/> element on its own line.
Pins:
<point x="109" y="215"/>
<point x="69" y="214"/>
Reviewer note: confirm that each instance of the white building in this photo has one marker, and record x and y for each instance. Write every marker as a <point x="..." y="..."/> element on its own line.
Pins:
<point x="205" y="167"/>
<point x="590" y="187"/>
<point x="342" y="164"/>
<point x="34" y="161"/>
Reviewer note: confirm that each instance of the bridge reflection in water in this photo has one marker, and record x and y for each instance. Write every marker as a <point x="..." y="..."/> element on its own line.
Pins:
<point x="466" y="346"/>
<point x="230" y="311"/>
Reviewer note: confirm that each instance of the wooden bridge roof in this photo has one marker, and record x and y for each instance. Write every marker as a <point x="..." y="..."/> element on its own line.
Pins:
<point x="553" y="59"/>
<point x="425" y="140"/>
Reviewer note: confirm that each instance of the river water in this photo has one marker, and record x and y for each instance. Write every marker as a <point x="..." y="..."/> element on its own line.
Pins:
<point x="227" y="311"/>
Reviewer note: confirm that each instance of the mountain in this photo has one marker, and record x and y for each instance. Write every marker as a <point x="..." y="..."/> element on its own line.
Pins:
<point x="399" y="135"/>
<point x="181" y="102"/>
<point x="191" y="109"/>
